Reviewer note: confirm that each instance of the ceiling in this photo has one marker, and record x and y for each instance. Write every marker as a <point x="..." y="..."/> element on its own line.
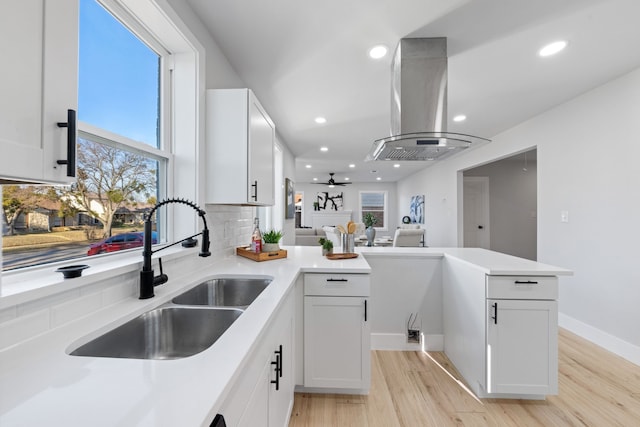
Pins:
<point x="305" y="59"/>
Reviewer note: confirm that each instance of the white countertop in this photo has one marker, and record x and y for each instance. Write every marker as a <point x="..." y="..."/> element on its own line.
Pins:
<point x="41" y="385"/>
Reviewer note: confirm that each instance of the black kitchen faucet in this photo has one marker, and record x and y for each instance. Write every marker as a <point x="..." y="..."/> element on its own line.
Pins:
<point x="147" y="278"/>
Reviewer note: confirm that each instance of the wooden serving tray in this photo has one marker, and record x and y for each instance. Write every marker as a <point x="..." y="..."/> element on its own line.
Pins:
<point x="262" y="256"/>
<point x="342" y="256"/>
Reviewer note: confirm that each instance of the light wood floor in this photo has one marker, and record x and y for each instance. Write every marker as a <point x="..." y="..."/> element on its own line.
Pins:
<point x="597" y="388"/>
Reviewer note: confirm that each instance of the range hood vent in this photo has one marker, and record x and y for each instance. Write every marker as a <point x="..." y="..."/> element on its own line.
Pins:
<point x="419" y="105"/>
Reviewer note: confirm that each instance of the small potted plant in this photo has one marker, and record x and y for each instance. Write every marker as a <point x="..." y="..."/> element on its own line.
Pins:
<point x="271" y="240"/>
<point x="327" y="246"/>
<point x="369" y="220"/>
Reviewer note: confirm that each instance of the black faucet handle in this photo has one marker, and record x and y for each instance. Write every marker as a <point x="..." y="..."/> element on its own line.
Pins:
<point x="204" y="250"/>
<point x="161" y="278"/>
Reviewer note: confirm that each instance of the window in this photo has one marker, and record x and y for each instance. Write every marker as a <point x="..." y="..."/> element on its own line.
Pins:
<point x="122" y="160"/>
<point x="375" y="203"/>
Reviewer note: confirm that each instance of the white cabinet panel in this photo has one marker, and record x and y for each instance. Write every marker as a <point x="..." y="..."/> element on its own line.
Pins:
<point x="522" y="346"/>
<point x="240" y="149"/>
<point x="255" y="398"/>
<point x="336" y="342"/>
<point x="39" y="85"/>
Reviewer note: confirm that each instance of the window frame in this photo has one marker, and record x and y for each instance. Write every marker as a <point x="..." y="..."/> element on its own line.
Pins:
<point x="385" y="209"/>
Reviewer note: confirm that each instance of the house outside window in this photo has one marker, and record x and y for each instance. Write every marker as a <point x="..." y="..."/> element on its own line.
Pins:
<point x="375" y="203"/>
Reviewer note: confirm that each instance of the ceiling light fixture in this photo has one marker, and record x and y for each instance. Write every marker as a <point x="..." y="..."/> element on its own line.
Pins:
<point x="308" y="166"/>
<point x="346" y="178"/>
<point x="324" y="148"/>
<point x="378" y="179"/>
<point x="460" y="118"/>
<point x="378" y="51"/>
<point x="320" y="120"/>
<point x="397" y="165"/>
<point x="552" y="48"/>
<point x="352" y="165"/>
<point x="315" y="179"/>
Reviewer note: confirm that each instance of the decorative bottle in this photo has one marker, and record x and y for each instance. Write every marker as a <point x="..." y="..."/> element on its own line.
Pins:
<point x="256" y="237"/>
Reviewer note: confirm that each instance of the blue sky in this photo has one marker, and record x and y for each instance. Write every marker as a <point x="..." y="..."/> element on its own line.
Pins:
<point x="118" y="77"/>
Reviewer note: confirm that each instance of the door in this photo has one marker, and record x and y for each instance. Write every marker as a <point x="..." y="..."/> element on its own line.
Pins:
<point x="522" y="346"/>
<point x="476" y="212"/>
<point x="336" y="342"/>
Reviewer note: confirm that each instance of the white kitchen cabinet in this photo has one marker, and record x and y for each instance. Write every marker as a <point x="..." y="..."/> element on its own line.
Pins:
<point x="514" y="355"/>
<point x="337" y="339"/>
<point x="263" y="393"/>
<point x="239" y="150"/>
<point x="522" y="346"/>
<point x="39" y="85"/>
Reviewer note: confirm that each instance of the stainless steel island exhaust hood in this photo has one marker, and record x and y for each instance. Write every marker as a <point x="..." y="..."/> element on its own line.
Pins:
<point x="419" y="105"/>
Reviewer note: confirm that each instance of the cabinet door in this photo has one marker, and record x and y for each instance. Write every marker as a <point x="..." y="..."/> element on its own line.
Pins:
<point x="38" y="86"/>
<point x="336" y="342"/>
<point x="261" y="139"/>
<point x="256" y="413"/>
<point x="522" y="346"/>
<point x="281" y="397"/>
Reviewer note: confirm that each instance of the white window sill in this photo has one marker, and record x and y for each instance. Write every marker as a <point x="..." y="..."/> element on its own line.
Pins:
<point x="23" y="285"/>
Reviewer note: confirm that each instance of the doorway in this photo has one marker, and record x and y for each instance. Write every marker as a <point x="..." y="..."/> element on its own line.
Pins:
<point x="500" y="205"/>
<point x="476" y="212"/>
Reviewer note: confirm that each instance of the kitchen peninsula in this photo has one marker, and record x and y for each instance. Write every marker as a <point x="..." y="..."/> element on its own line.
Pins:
<point x="40" y="382"/>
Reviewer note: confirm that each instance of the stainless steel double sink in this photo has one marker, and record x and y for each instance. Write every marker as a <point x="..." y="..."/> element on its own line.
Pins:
<point x="189" y="324"/>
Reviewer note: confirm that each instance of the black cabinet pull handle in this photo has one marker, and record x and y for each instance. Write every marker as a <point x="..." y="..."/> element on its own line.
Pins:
<point x="365" y="310"/>
<point x="70" y="124"/>
<point x="279" y="360"/>
<point x="525" y="282"/>
<point x="495" y="311"/>
<point x="337" y="280"/>
<point x="255" y="190"/>
<point x="277" y="380"/>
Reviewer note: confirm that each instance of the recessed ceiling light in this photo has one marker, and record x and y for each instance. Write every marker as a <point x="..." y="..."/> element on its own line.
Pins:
<point x="320" y="120"/>
<point x="346" y="178"/>
<point x="397" y="165"/>
<point x="324" y="148"/>
<point x="552" y="48"/>
<point x="315" y="179"/>
<point x="378" y="179"/>
<point x="308" y="166"/>
<point x="460" y="118"/>
<point x="352" y="165"/>
<point x="379" y="51"/>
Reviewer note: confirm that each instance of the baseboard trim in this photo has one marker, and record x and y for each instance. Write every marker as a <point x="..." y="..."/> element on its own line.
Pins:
<point x="603" y="339"/>
<point x="398" y="342"/>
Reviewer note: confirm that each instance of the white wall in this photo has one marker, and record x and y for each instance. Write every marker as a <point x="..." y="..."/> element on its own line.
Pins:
<point x="351" y="199"/>
<point x="512" y="203"/>
<point x="587" y="165"/>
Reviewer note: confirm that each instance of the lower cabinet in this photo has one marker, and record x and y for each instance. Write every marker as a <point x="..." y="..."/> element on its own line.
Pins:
<point x="263" y="393"/>
<point x="522" y="347"/>
<point x="337" y="341"/>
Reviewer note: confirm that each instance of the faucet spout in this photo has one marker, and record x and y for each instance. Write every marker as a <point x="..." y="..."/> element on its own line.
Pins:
<point x="148" y="279"/>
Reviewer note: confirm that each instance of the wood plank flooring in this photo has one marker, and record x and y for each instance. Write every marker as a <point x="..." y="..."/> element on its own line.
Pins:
<point x="597" y="388"/>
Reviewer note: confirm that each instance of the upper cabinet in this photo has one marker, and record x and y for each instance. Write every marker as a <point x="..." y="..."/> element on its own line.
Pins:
<point x="240" y="149"/>
<point x="38" y="91"/>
